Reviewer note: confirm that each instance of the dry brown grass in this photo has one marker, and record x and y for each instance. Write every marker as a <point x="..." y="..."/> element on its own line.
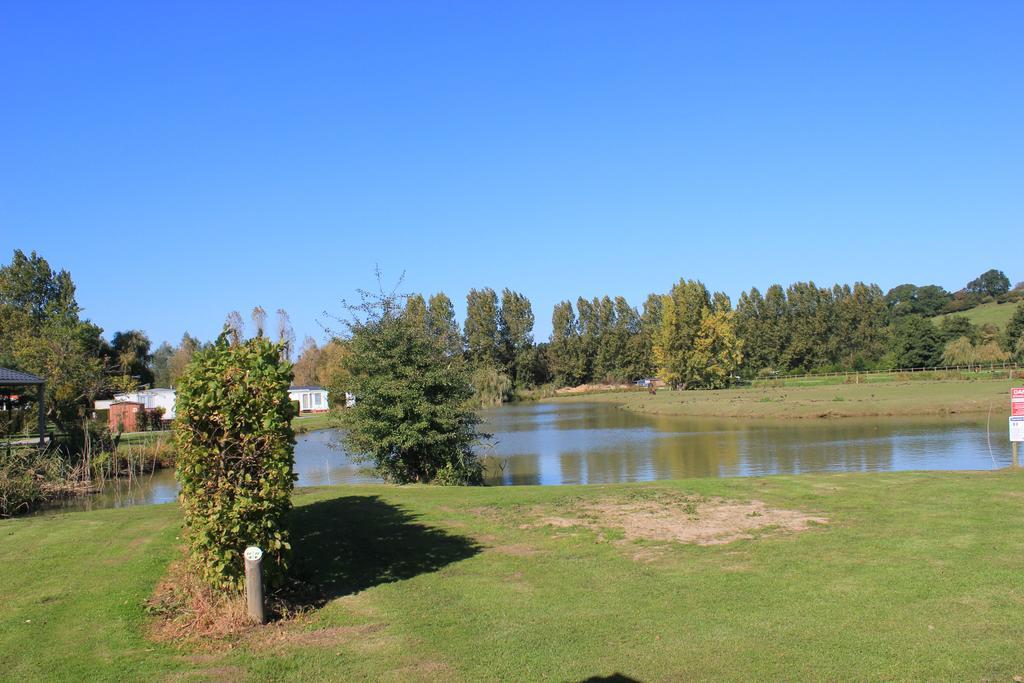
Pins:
<point x="189" y="611"/>
<point x="696" y="520"/>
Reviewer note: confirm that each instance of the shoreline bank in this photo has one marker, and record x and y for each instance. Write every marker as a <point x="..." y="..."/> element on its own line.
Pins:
<point x="834" y="401"/>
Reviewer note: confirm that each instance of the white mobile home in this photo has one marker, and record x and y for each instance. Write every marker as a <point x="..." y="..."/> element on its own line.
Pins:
<point x="310" y="399"/>
<point x="149" y="399"/>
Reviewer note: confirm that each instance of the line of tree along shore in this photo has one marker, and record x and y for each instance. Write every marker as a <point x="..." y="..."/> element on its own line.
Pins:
<point x="691" y="337"/>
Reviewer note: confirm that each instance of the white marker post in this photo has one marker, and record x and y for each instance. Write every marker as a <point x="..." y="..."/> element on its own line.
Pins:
<point x="254" y="583"/>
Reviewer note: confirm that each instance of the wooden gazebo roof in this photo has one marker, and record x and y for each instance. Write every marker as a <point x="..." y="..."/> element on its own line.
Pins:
<point x="17" y="378"/>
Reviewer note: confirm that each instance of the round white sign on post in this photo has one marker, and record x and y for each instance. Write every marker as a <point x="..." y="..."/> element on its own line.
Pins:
<point x="253" y="554"/>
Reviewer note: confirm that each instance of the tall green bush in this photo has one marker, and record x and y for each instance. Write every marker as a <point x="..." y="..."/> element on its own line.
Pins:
<point x="236" y="459"/>
<point x="412" y="418"/>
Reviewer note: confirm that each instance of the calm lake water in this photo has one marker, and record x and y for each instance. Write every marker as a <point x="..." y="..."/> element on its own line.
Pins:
<point x="590" y="443"/>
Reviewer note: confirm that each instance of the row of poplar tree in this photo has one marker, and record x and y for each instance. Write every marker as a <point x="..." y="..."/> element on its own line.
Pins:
<point x="690" y="336"/>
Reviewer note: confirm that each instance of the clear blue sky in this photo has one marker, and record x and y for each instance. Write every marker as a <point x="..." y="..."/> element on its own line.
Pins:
<point x="186" y="159"/>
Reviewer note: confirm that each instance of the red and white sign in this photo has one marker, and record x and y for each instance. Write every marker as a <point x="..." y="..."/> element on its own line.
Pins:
<point x="1017" y="401"/>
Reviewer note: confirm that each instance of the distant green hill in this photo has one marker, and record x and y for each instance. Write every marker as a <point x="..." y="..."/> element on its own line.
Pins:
<point x="991" y="313"/>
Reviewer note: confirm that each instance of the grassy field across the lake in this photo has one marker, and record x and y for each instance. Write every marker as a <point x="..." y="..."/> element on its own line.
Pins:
<point x="991" y="313"/>
<point x="890" y="576"/>
<point x="868" y="399"/>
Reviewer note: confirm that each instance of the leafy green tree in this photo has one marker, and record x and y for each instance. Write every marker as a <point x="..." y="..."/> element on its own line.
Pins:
<point x="962" y="352"/>
<point x="332" y="368"/>
<point x="717" y="352"/>
<point x="161" y="365"/>
<point x="990" y="352"/>
<point x="41" y="333"/>
<point x="607" y="345"/>
<point x="182" y="356"/>
<point x="683" y="310"/>
<point x="537" y="364"/>
<point x="988" y="333"/>
<point x="412" y="418"/>
<point x="131" y="355"/>
<point x="30" y="289"/>
<point x="481" y="327"/>
<point x="908" y="299"/>
<point x="441" y="323"/>
<point x="761" y="324"/>
<point x="861" y="316"/>
<point x="990" y="283"/>
<point x="564" y="347"/>
<point x="959" y="351"/>
<point x="777" y="332"/>
<point x="589" y="323"/>
<point x="515" y="334"/>
<point x="629" y="349"/>
<point x="491" y="386"/>
<point x="914" y="343"/>
<point x="931" y="300"/>
<point x="811" y="319"/>
<point x="305" y="368"/>
<point x="416" y="310"/>
<point x="953" y="327"/>
<point x="650" y="323"/>
<point x="234" y="444"/>
<point x="1014" y="331"/>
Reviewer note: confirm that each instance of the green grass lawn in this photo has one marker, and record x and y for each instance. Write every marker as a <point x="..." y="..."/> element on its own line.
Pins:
<point x="868" y="399"/>
<point x="307" y="423"/>
<point x="915" y="576"/>
<point x="987" y="314"/>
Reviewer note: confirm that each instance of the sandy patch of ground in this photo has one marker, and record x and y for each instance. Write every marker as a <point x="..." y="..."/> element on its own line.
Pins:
<point x="700" y="521"/>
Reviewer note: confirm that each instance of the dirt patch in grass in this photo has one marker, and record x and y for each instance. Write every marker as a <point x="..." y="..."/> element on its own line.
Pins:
<point x="700" y="521"/>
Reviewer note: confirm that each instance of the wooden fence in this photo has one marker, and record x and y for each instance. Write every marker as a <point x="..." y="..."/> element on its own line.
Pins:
<point x="977" y="367"/>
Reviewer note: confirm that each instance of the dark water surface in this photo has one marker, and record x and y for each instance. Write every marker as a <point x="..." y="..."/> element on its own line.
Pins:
<point x="590" y="443"/>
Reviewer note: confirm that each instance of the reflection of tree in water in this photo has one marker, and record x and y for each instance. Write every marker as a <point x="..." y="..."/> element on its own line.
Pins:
<point x="711" y="453"/>
<point x="522" y="469"/>
<point x="592" y="443"/>
<point x="816" y="447"/>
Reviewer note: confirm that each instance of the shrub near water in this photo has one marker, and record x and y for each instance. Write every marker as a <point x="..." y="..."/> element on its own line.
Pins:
<point x="236" y="458"/>
<point x="29" y="477"/>
<point x="412" y="418"/>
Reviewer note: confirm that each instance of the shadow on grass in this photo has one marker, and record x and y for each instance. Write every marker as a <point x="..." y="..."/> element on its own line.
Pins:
<point x="345" y="545"/>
